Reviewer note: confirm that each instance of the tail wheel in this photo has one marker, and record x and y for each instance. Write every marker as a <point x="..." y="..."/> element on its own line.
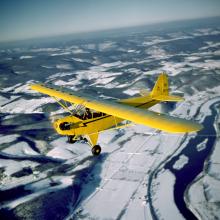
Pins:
<point x="96" y="150"/>
<point x="71" y="139"/>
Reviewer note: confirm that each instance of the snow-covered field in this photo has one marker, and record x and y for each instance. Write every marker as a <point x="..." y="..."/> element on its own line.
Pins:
<point x="44" y="177"/>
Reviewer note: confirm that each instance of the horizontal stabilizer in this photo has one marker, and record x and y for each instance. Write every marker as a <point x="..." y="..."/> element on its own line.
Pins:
<point x="168" y="98"/>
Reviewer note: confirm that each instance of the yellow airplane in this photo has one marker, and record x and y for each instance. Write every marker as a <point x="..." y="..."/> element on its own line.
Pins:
<point x="91" y="115"/>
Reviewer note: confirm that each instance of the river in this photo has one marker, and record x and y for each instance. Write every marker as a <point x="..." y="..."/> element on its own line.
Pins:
<point x="196" y="160"/>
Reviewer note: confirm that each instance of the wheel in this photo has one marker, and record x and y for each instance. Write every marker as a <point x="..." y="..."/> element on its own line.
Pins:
<point x="71" y="139"/>
<point x="96" y="150"/>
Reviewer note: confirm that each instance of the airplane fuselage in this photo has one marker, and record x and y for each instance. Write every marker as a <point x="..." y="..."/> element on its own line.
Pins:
<point x="76" y="127"/>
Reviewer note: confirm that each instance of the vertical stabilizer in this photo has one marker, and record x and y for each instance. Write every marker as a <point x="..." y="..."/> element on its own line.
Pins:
<point x="161" y="86"/>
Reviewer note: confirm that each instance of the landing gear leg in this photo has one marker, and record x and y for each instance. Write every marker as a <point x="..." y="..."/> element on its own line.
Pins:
<point x="71" y="139"/>
<point x="96" y="150"/>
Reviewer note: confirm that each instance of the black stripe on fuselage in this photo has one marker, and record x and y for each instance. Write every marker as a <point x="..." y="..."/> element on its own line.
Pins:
<point x="97" y="119"/>
<point x="142" y="104"/>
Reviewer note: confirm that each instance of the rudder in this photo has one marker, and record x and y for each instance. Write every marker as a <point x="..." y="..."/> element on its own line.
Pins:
<point x="161" y="86"/>
<point x="160" y="91"/>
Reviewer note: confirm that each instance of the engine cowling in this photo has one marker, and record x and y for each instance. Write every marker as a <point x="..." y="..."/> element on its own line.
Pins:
<point x="65" y="126"/>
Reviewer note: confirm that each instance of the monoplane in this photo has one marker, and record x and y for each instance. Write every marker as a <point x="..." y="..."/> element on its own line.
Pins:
<point x="91" y="115"/>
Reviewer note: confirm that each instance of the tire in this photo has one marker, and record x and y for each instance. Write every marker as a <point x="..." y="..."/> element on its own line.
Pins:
<point x="71" y="139"/>
<point x="96" y="150"/>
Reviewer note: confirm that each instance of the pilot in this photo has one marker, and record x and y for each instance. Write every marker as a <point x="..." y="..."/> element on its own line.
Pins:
<point x="87" y="114"/>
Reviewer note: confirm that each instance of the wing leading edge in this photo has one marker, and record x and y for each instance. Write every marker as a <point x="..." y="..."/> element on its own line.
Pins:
<point x="140" y="116"/>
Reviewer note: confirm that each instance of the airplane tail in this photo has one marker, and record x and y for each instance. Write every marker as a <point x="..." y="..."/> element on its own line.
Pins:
<point x="159" y="93"/>
<point x="160" y="90"/>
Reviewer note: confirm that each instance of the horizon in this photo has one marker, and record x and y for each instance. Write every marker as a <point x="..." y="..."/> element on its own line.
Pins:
<point x="23" y="20"/>
<point x="101" y="31"/>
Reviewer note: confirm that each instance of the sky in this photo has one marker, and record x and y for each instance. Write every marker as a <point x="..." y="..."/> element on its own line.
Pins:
<point x="24" y="19"/>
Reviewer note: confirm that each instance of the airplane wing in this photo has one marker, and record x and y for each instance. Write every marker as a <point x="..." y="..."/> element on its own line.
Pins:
<point x="120" y="110"/>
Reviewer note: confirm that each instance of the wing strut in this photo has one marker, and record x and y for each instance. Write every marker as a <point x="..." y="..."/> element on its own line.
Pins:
<point x="62" y="105"/>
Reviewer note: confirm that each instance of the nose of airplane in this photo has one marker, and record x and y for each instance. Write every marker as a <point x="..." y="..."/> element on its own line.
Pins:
<point x="64" y="126"/>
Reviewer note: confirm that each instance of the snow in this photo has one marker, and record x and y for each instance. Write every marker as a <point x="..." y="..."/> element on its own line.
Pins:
<point x="195" y="197"/>
<point x="60" y="54"/>
<point x="202" y="145"/>
<point x="20" y="149"/>
<point x="48" y="49"/>
<point x="117" y="63"/>
<point x="46" y="183"/>
<point x="78" y="59"/>
<point x="26" y="106"/>
<point x="210" y="45"/>
<point x="131" y="51"/>
<point x="78" y="51"/>
<point x="151" y="72"/>
<point x="191" y="58"/>
<point x="205" y="32"/>
<point x="64" y="66"/>
<point x="19" y="87"/>
<point x="208" y="64"/>
<point x="61" y="149"/>
<point x="157" y="40"/>
<point x="125" y="168"/>
<point x="7" y="89"/>
<point x="8" y="138"/>
<point x="36" y="186"/>
<point x="40" y="188"/>
<point x="3" y="100"/>
<point x="106" y="66"/>
<point x="58" y="75"/>
<point x="26" y="57"/>
<point x="106" y="45"/>
<point x="197" y="200"/>
<point x="90" y="46"/>
<point x="47" y="67"/>
<point x="156" y="52"/>
<point x="137" y="210"/>
<point x="163" y="189"/>
<point x="10" y="166"/>
<point x="212" y="189"/>
<point x="24" y="88"/>
<point x="104" y="80"/>
<point x="216" y="153"/>
<point x="181" y="162"/>
<point x="131" y="92"/>
<point x="111" y="199"/>
<point x="173" y="68"/>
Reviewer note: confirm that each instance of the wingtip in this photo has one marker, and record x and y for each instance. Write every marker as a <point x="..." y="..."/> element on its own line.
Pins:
<point x="34" y="86"/>
<point x="192" y="127"/>
<point x="198" y="127"/>
<point x="31" y="86"/>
